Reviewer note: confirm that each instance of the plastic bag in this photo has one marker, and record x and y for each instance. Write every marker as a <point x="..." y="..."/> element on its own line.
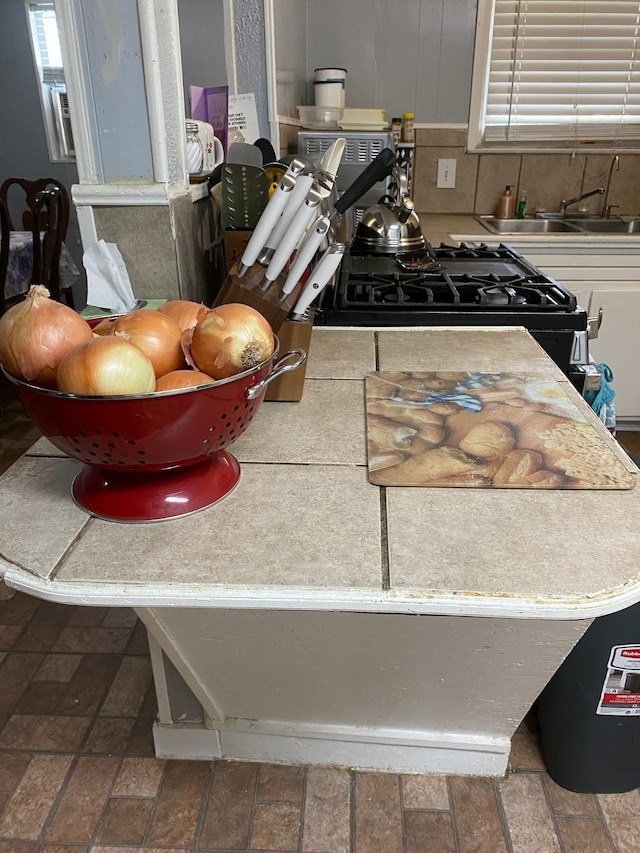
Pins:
<point x="602" y="401"/>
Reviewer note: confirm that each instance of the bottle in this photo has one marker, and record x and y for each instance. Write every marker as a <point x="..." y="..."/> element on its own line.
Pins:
<point x="396" y="129"/>
<point x="407" y="127"/>
<point x="506" y="204"/>
<point x="195" y="153"/>
<point x="522" y="204"/>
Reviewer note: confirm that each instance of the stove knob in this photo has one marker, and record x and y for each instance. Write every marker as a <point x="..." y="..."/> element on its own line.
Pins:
<point x="593" y="325"/>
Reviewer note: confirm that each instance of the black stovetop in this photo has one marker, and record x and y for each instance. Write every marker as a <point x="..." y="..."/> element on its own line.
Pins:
<point x="465" y="285"/>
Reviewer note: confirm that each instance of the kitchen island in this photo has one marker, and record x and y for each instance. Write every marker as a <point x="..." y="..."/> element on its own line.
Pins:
<point x="313" y="617"/>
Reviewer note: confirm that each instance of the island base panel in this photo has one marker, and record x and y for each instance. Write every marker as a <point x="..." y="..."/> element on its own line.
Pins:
<point x="389" y="692"/>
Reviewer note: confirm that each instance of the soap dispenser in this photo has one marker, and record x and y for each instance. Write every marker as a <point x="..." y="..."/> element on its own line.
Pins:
<point x="506" y="204"/>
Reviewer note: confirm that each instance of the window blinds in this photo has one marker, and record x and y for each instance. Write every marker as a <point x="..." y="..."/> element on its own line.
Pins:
<point x="564" y="69"/>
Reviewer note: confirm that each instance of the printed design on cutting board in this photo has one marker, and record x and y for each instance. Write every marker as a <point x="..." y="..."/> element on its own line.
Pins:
<point x="492" y="430"/>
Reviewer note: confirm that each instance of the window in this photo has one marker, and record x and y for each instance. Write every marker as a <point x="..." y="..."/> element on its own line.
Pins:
<point x="50" y="73"/>
<point x="556" y="74"/>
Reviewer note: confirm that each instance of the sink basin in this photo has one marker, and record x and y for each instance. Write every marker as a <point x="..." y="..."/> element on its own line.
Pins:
<point x="610" y="226"/>
<point x="527" y="226"/>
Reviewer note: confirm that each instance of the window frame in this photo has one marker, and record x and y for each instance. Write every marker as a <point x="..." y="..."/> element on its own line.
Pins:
<point x="479" y="80"/>
<point x="52" y="129"/>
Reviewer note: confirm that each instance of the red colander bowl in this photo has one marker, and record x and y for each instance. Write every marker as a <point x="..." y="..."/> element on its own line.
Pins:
<point x="151" y="457"/>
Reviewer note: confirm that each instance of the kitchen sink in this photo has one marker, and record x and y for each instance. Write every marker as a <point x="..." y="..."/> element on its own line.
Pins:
<point x="610" y="226"/>
<point x="549" y="224"/>
<point x="527" y="226"/>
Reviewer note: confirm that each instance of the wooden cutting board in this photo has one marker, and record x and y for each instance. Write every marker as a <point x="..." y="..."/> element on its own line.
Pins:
<point x="491" y="430"/>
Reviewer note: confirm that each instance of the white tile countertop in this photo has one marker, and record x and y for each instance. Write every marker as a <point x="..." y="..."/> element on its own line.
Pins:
<point x="304" y="529"/>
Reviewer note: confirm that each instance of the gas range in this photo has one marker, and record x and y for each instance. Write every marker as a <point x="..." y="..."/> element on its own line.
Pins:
<point x="476" y="285"/>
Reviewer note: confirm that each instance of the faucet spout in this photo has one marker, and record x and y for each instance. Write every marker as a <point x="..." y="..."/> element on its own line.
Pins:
<point x="606" y="207"/>
<point x="564" y="204"/>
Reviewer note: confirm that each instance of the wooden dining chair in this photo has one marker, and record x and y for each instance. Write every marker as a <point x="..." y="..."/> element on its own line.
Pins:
<point x="48" y="227"/>
<point x="21" y="194"/>
<point x="5" y="230"/>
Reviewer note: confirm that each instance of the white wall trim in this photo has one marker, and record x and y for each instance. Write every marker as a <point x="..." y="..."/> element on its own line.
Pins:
<point x="230" y="46"/>
<point x="381" y="749"/>
<point x="270" y="59"/>
<point x="121" y="194"/>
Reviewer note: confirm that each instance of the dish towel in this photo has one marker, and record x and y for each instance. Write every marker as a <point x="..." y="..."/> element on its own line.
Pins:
<point x="601" y="401"/>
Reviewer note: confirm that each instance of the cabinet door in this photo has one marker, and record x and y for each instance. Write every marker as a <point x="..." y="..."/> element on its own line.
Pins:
<point x="618" y="345"/>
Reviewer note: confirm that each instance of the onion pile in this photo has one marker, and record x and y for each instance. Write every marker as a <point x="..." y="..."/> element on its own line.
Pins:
<point x="50" y="345"/>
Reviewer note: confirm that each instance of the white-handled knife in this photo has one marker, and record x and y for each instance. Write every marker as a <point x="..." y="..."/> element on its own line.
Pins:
<point x="266" y="223"/>
<point x="305" y="254"/>
<point x="303" y="217"/>
<point x="294" y="202"/>
<point x="319" y="278"/>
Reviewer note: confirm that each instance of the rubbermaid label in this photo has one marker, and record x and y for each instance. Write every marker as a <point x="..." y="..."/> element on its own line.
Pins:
<point x="621" y="689"/>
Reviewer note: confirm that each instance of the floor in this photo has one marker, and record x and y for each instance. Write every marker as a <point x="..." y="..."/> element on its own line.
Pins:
<point x="78" y="774"/>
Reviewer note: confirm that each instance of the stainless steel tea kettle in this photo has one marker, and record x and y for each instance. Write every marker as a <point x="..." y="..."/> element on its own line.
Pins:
<point x="391" y="228"/>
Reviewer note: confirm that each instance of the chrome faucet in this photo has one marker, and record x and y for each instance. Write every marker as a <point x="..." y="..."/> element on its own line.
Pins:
<point x="606" y="207"/>
<point x="565" y="204"/>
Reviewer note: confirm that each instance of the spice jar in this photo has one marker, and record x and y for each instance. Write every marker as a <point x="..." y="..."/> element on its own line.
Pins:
<point x="396" y="129"/>
<point x="407" y="127"/>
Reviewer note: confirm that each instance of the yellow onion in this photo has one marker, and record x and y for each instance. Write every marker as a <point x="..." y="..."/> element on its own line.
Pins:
<point x="157" y="335"/>
<point x="231" y="338"/>
<point x="36" y="333"/>
<point x="104" y="327"/>
<point x="184" y="313"/>
<point x="182" y="379"/>
<point x="105" y="366"/>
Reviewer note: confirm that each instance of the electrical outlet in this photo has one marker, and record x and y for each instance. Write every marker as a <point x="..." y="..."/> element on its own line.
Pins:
<point x="446" y="175"/>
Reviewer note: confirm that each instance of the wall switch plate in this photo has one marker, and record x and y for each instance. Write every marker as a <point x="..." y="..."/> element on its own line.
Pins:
<point x="446" y="179"/>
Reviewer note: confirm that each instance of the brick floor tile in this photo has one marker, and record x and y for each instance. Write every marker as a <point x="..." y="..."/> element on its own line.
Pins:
<point x="18" y="610"/>
<point x="51" y="613"/>
<point x="227" y="820"/>
<point x="124" y="821"/>
<point x="149" y="709"/>
<point x="47" y="733"/>
<point x="178" y="804"/>
<point x="58" y="668"/>
<point x="327" y="811"/>
<point x="476" y="815"/>
<point x="87" y="617"/>
<point x="128" y="689"/>
<point x="276" y="826"/>
<point x="429" y="831"/>
<point x="424" y="792"/>
<point x="16" y="846"/>
<point x="63" y="848"/>
<point x="120" y="617"/>
<point x="8" y="635"/>
<point x="40" y="697"/>
<point x="86" y="793"/>
<point x="100" y="848"/>
<point x="109" y="736"/>
<point x="141" y="740"/>
<point x="584" y="835"/>
<point x="525" y="751"/>
<point x="16" y="672"/>
<point x="93" y="640"/>
<point x="529" y="820"/>
<point x="565" y="802"/>
<point x="139" y="643"/>
<point x="89" y="685"/>
<point x="25" y="814"/>
<point x="12" y="768"/>
<point x="138" y="777"/>
<point x="621" y="816"/>
<point x="378" y="820"/>
<point x="38" y="638"/>
<point x="279" y="783"/>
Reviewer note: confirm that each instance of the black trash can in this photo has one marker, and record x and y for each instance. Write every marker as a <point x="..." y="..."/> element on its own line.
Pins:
<point x="589" y="713"/>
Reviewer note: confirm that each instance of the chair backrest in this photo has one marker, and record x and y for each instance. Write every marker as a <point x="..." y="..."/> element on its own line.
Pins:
<point x="22" y="193"/>
<point x="5" y="229"/>
<point x="47" y="230"/>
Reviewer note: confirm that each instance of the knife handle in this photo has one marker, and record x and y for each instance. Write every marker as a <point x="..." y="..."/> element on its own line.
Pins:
<point x="305" y="254"/>
<point x="377" y="169"/>
<point x="290" y="240"/>
<point x="297" y="197"/>
<point x="266" y="223"/>
<point x="320" y="277"/>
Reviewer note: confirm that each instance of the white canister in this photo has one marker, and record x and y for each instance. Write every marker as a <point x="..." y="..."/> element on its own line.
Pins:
<point x="332" y="75"/>
<point x="328" y="94"/>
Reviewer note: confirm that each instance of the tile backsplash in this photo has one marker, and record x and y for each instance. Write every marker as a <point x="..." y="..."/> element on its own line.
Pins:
<point x="547" y="178"/>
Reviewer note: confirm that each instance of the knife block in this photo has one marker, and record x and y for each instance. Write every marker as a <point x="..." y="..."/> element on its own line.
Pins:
<point x="291" y="334"/>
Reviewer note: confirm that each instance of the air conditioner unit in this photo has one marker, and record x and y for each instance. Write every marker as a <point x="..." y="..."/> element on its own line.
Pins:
<point x="60" y="107"/>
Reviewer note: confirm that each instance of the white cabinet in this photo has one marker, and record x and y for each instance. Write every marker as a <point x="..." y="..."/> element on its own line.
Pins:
<point x="604" y="274"/>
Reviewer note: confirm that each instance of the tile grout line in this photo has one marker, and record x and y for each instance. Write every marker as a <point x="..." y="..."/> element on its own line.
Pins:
<point x="352" y="811"/>
<point x="503" y="816"/>
<point x="303" y="807"/>
<point x="204" y="805"/>
<point x="456" y="840"/>
<point x="54" y="806"/>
